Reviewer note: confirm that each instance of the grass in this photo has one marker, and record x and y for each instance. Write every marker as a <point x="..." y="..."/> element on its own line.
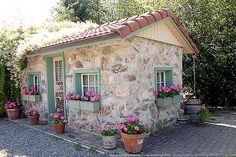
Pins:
<point x="78" y="147"/>
<point x="93" y="150"/>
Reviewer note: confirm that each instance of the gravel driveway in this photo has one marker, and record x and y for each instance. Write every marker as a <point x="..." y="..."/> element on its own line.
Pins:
<point x="18" y="140"/>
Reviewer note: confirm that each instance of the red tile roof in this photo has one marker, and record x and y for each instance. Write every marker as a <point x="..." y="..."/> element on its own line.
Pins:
<point x="120" y="28"/>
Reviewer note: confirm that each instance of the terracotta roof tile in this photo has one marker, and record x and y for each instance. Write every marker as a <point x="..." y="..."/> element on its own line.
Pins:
<point x="122" y="28"/>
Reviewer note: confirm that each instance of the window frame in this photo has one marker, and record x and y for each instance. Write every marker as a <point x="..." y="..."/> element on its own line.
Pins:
<point x="31" y="80"/>
<point x="77" y="79"/>
<point x="168" y="76"/>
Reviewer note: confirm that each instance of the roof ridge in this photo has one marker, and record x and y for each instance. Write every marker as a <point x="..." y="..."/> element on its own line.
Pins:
<point x="124" y="27"/>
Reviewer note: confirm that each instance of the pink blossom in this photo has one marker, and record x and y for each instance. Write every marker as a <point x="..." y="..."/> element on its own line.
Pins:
<point x="128" y="119"/>
<point x="68" y="97"/>
<point x="125" y="129"/>
<point x="62" y="117"/>
<point x="120" y="126"/>
<point x="65" y="121"/>
<point x="55" y="116"/>
<point x="136" y="128"/>
<point x="142" y="121"/>
<point x="155" y="93"/>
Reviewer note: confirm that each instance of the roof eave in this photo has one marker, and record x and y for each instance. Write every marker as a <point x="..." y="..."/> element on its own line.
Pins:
<point x="75" y="43"/>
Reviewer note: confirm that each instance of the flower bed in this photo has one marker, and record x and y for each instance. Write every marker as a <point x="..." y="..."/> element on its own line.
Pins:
<point x="89" y="102"/>
<point x="167" y="95"/>
<point x="31" y="94"/>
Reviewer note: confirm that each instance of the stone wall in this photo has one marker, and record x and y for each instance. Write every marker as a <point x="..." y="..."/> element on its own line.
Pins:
<point x="127" y="81"/>
<point x="37" y="64"/>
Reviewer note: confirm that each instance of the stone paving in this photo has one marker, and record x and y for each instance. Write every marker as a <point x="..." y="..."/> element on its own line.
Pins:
<point x="216" y="138"/>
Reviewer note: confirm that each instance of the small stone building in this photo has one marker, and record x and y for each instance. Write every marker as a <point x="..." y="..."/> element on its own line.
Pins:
<point x="123" y="60"/>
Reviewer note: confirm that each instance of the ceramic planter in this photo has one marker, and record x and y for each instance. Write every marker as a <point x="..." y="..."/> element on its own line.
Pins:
<point x="163" y="102"/>
<point x="109" y="142"/>
<point x="13" y="114"/>
<point x="89" y="106"/>
<point x="58" y="128"/>
<point x="133" y="143"/>
<point x="32" y="98"/>
<point x="176" y="99"/>
<point x="34" y="120"/>
<point x="74" y="104"/>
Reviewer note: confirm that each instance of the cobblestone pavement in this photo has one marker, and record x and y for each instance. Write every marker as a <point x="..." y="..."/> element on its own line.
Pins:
<point x="216" y="138"/>
<point x="20" y="141"/>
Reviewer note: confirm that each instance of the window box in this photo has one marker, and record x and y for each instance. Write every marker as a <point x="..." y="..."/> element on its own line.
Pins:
<point x="32" y="98"/>
<point x="176" y="99"/>
<point x="74" y="104"/>
<point x="90" y="106"/>
<point x="163" y="102"/>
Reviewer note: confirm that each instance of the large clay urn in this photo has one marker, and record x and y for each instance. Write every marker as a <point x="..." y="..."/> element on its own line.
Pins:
<point x="13" y="114"/>
<point x="133" y="142"/>
<point x="58" y="128"/>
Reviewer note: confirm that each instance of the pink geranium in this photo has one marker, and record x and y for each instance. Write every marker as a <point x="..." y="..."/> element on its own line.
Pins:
<point x="11" y="105"/>
<point x="89" y="96"/>
<point x="167" y="91"/>
<point x="31" y="111"/>
<point x="58" y="118"/>
<point x="132" y="125"/>
<point x="31" y="91"/>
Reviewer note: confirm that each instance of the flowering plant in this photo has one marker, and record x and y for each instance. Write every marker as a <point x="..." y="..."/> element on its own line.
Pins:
<point x="132" y="125"/>
<point x="31" y="91"/>
<point x="11" y="105"/>
<point x="166" y="91"/>
<point x="57" y="118"/>
<point x="89" y="96"/>
<point x="31" y="111"/>
<point x="108" y="132"/>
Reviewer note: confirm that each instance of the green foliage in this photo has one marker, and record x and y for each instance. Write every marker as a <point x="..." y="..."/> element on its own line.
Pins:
<point x="109" y="132"/>
<point x="78" y="147"/>
<point x="200" y="117"/>
<point x="81" y="10"/>
<point x="212" y="26"/>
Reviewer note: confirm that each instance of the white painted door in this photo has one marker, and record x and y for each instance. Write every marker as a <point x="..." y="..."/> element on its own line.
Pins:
<point x="58" y="84"/>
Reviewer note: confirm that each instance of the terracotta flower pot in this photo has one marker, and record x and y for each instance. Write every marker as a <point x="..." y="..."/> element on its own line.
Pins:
<point x="133" y="142"/>
<point x="34" y="120"/>
<point x="13" y="114"/>
<point x="58" y="128"/>
<point x="109" y="142"/>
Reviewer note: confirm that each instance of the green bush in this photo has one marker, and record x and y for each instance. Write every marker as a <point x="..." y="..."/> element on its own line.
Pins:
<point x="200" y="117"/>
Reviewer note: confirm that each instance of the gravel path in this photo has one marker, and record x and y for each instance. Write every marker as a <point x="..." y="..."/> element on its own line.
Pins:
<point x="18" y="140"/>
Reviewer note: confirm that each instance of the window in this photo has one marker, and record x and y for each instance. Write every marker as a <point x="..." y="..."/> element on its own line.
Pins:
<point x="34" y="80"/>
<point x="163" y="76"/>
<point x="86" y="80"/>
<point x="58" y="70"/>
<point x="89" y="83"/>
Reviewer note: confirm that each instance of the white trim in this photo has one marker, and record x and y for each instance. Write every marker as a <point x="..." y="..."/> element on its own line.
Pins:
<point x="88" y="85"/>
<point x="55" y="59"/>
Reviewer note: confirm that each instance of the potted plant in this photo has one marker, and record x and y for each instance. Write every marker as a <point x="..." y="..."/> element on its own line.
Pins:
<point x="13" y="109"/>
<point x="33" y="115"/>
<point x="32" y="94"/>
<point x="89" y="102"/>
<point x="132" y="133"/>
<point x="58" y="122"/>
<point x="201" y="117"/>
<point x="167" y="95"/>
<point x="109" y="138"/>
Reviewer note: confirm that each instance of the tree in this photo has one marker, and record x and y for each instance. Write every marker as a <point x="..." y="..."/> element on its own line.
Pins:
<point x="81" y="10"/>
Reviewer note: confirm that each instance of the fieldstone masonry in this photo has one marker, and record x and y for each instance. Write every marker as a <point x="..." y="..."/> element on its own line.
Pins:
<point x="127" y="81"/>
